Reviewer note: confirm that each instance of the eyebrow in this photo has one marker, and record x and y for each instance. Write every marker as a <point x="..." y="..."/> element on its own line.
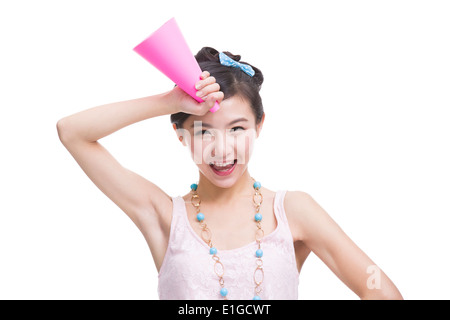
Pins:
<point x="207" y="125"/>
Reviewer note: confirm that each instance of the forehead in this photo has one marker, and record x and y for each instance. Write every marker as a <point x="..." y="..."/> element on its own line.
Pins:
<point x="230" y="109"/>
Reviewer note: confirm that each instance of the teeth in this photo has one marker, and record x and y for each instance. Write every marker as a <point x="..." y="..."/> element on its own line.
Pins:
<point x="222" y="164"/>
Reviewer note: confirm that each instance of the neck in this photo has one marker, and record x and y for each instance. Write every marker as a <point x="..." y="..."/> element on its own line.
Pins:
<point x="209" y="192"/>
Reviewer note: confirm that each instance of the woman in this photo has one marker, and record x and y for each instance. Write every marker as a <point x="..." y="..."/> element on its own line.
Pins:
<point x="229" y="237"/>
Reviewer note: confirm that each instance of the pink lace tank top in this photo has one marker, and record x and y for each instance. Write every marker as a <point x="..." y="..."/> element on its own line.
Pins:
<point x="187" y="269"/>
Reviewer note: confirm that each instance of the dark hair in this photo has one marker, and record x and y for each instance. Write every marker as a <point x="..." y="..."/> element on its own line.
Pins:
<point x="232" y="81"/>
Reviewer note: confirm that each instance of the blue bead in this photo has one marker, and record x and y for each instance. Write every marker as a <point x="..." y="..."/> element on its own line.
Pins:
<point x="258" y="217"/>
<point x="223" y="292"/>
<point x="200" y="217"/>
<point x="259" y="253"/>
<point x="194" y="186"/>
<point x="256" y="298"/>
<point x="257" y="185"/>
<point x="212" y="250"/>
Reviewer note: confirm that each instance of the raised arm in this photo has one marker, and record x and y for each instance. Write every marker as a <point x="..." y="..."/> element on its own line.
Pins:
<point x="80" y="133"/>
<point x="146" y="204"/>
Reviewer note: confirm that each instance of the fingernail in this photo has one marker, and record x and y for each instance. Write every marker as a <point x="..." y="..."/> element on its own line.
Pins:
<point x="197" y="86"/>
<point x="199" y="93"/>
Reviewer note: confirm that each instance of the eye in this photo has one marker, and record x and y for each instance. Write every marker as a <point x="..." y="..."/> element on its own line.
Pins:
<point x="236" y="129"/>
<point x="202" y="132"/>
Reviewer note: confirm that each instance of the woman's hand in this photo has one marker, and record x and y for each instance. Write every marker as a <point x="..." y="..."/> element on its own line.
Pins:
<point x="207" y="89"/>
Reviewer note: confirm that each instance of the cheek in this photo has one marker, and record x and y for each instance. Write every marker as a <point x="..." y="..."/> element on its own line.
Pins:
<point x="196" y="147"/>
<point x="199" y="149"/>
<point x="244" y="147"/>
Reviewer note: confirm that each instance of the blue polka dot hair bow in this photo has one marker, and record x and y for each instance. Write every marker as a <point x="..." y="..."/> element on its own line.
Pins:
<point x="227" y="61"/>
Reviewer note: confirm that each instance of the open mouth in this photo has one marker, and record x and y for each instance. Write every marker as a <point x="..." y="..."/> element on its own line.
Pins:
<point x="223" y="169"/>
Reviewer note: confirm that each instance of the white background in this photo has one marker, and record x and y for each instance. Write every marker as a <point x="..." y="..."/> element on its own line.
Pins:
<point x="357" y="114"/>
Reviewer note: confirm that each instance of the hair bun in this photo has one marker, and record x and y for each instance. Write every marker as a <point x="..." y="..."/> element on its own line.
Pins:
<point x="211" y="54"/>
<point x="258" y="78"/>
<point x="208" y="54"/>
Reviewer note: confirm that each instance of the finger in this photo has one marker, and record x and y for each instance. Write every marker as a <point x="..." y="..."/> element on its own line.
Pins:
<point x="216" y="96"/>
<point x="203" y="83"/>
<point x="210" y="102"/>
<point x="219" y="96"/>
<point x="211" y="99"/>
<point x="207" y="104"/>
<point x="208" y="89"/>
<point x="205" y="74"/>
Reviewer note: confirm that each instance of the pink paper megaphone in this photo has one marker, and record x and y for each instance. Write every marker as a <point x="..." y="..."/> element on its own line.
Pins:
<point x="167" y="50"/>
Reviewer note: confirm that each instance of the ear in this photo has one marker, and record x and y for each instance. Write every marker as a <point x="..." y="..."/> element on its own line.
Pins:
<point x="260" y="125"/>
<point x="180" y="134"/>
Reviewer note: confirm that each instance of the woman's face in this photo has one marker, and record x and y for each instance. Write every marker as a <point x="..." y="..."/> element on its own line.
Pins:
<point x="221" y="143"/>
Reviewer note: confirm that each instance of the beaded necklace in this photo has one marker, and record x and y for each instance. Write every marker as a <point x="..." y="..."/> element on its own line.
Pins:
<point x="206" y="235"/>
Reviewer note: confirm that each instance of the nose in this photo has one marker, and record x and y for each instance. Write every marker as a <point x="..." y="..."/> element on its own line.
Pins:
<point x="223" y="148"/>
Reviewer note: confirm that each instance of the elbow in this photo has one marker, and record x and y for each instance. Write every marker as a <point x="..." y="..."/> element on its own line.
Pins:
<point x="60" y="125"/>
<point x="64" y="131"/>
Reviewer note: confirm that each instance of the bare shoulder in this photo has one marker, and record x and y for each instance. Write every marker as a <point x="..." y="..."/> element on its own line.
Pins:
<point x="298" y="201"/>
<point x="268" y="194"/>
<point x="299" y="207"/>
